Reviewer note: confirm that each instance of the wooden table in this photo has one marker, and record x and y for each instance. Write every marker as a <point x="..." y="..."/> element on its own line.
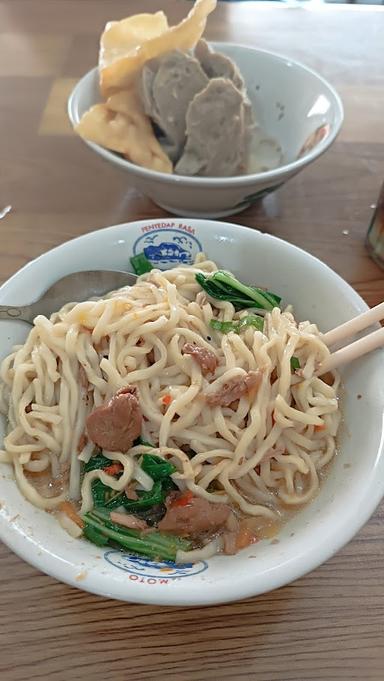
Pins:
<point x="330" y="624"/>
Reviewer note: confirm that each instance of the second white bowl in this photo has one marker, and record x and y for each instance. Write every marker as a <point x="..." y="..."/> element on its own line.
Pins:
<point x="292" y="103"/>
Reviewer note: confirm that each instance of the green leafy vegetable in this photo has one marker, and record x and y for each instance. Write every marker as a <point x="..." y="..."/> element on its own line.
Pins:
<point x="223" y="327"/>
<point x="154" y="545"/>
<point x="140" y="264"/>
<point x="249" y="320"/>
<point x="160" y="472"/>
<point x="95" y="462"/>
<point x="145" y="500"/>
<point x="252" y="320"/>
<point x="95" y="536"/>
<point x="169" y="485"/>
<point x="295" y="363"/>
<point x="99" y="493"/>
<point x="140" y="441"/>
<point x="224" y="286"/>
<point x="148" y="505"/>
<point x="156" y="467"/>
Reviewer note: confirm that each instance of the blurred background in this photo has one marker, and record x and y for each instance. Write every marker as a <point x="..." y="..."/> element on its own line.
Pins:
<point x="320" y="2"/>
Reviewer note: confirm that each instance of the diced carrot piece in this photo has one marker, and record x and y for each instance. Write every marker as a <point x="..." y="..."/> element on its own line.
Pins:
<point x="166" y="400"/>
<point x="114" y="468"/>
<point x="183" y="500"/>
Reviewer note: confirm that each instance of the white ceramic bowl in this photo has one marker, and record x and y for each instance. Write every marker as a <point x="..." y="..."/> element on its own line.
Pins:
<point x="291" y="103"/>
<point x="347" y="498"/>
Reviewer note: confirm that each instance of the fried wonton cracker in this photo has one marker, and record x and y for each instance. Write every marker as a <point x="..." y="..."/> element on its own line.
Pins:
<point x="121" y="125"/>
<point x="126" y="45"/>
<point x="122" y="38"/>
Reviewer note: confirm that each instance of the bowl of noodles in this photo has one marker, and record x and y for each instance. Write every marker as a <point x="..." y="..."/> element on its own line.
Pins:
<point x="174" y="441"/>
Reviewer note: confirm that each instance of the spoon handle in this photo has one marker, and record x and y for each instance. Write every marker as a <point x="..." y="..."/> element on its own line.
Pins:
<point x="24" y="313"/>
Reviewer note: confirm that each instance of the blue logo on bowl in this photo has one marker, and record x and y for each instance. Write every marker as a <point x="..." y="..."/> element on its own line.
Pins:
<point x="154" y="571"/>
<point x="167" y="247"/>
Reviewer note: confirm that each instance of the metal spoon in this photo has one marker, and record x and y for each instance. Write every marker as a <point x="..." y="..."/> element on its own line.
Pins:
<point x="74" y="287"/>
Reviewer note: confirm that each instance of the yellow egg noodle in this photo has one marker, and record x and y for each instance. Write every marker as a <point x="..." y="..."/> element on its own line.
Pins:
<point x="262" y="454"/>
